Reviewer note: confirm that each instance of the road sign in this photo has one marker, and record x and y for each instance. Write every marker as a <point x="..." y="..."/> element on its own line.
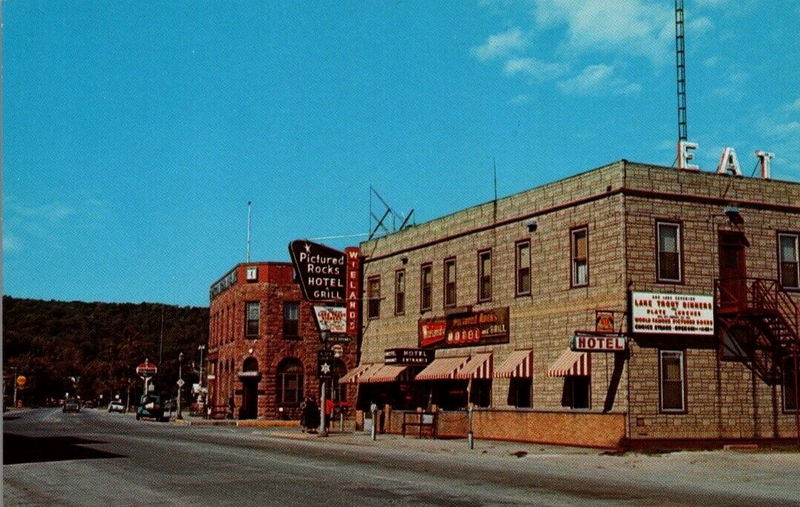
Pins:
<point x="180" y="382"/>
<point x="21" y="380"/>
<point x="337" y="350"/>
<point x="146" y="369"/>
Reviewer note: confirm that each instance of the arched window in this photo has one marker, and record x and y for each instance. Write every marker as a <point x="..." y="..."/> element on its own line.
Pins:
<point x="289" y="382"/>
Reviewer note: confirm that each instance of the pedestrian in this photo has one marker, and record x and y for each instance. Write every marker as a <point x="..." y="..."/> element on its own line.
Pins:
<point x="328" y="412"/>
<point x="304" y="414"/>
<point x="311" y="416"/>
<point x="231" y="407"/>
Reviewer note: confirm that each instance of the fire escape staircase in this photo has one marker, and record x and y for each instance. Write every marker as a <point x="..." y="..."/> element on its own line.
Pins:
<point x="758" y="323"/>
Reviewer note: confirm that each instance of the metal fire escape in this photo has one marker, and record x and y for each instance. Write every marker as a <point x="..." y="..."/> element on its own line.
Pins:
<point x="759" y="324"/>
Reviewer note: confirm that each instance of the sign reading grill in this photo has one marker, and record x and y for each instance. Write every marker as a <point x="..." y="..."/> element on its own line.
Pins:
<point x="321" y="271"/>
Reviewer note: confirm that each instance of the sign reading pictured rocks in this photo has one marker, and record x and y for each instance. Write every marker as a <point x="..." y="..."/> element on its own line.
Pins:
<point x="321" y="271"/>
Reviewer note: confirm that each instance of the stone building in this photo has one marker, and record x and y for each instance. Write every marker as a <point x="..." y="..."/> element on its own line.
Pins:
<point x="628" y="305"/>
<point x="263" y="344"/>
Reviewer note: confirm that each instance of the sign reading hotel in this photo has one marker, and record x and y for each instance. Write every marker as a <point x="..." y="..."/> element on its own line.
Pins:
<point x="475" y="328"/>
<point x="408" y="356"/>
<point x="657" y="313"/>
<point x="321" y="271"/>
<point x="597" y="343"/>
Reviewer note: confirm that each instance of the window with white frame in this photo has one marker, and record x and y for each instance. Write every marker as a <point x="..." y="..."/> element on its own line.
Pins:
<point x="580" y="256"/>
<point x="485" y="275"/>
<point x="673" y="386"/>
<point x="426" y="287"/>
<point x="669" y="252"/>
<point x="449" y="283"/>
<point x="400" y="292"/>
<point x="253" y="309"/>
<point x="523" y="263"/>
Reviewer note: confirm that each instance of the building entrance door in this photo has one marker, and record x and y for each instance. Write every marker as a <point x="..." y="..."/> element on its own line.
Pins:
<point x="732" y="271"/>
<point x="249" y="399"/>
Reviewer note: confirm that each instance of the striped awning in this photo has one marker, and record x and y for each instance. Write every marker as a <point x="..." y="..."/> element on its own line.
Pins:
<point x="518" y="364"/>
<point x="443" y="368"/>
<point x="383" y="373"/>
<point x="479" y="366"/>
<point x="571" y="364"/>
<point x="351" y="377"/>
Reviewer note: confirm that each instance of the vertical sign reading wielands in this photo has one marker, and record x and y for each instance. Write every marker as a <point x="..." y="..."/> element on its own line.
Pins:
<point x="353" y="289"/>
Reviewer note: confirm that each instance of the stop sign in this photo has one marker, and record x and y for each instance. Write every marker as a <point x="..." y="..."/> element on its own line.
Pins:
<point x="146" y="369"/>
<point x="21" y="380"/>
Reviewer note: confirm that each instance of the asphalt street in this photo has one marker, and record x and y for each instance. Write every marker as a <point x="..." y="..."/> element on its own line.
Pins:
<point x="91" y="458"/>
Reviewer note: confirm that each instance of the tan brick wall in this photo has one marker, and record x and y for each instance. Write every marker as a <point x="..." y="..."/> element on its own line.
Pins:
<point x="615" y="203"/>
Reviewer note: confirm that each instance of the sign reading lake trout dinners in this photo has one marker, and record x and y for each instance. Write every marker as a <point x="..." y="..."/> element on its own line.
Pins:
<point x="464" y="330"/>
<point x="688" y="314"/>
<point x="321" y="271"/>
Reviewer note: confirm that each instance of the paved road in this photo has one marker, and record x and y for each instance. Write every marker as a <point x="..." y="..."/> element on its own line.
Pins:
<point x="96" y="458"/>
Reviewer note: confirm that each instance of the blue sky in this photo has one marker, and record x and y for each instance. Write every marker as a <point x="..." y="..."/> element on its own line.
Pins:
<point x="135" y="132"/>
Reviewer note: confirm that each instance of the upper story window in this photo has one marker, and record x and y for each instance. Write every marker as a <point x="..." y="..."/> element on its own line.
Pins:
<point x="449" y="282"/>
<point x="426" y="287"/>
<point x="291" y="319"/>
<point x="400" y="292"/>
<point x="252" y="274"/>
<point x="253" y="309"/>
<point x="789" y="261"/>
<point x="579" y="239"/>
<point x="374" y="297"/>
<point x="485" y="275"/>
<point x="673" y="388"/>
<point x="523" y="263"/>
<point x="669" y="252"/>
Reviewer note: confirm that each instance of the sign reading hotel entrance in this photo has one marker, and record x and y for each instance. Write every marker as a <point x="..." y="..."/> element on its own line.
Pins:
<point x="597" y="343"/>
<point x="465" y="330"/>
<point x="657" y="313"/>
<point x="320" y="269"/>
<point x="408" y="356"/>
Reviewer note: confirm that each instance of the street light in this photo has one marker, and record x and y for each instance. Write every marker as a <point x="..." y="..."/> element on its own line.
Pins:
<point x="180" y="384"/>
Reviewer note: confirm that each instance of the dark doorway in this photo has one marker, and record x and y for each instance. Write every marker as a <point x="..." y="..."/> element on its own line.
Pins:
<point x="732" y="271"/>
<point x="249" y="399"/>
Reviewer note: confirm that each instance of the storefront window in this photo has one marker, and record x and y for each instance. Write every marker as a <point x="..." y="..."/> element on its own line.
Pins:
<point x="519" y="392"/>
<point x="576" y="392"/>
<point x="672" y="384"/>
<point x="289" y="381"/>
<point x="481" y="393"/>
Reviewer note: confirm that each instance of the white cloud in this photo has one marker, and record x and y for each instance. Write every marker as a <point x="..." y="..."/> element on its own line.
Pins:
<point x="734" y="85"/>
<point x="520" y="99"/>
<point x="598" y="80"/>
<point x="701" y="24"/>
<point x="795" y="106"/>
<point x="534" y="68"/>
<point x="500" y="45"/>
<point x="628" y="27"/>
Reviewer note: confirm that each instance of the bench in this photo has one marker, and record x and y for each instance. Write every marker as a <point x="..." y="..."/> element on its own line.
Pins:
<point x="420" y="420"/>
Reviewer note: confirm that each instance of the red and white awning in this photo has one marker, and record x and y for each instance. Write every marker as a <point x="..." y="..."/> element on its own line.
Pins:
<point x="351" y="377"/>
<point x="518" y="364"/>
<point x="571" y="364"/>
<point x="443" y="368"/>
<point x="479" y="366"/>
<point x="383" y="373"/>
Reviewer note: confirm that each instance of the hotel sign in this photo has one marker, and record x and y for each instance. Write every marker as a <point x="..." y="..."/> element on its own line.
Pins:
<point x="353" y="290"/>
<point x="465" y="330"/>
<point x="597" y="343"/>
<point x="686" y="314"/>
<point x="321" y="271"/>
<point x="330" y="319"/>
<point x="408" y="356"/>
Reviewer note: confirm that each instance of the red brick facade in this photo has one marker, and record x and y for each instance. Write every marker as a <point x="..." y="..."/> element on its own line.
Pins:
<point x="255" y="366"/>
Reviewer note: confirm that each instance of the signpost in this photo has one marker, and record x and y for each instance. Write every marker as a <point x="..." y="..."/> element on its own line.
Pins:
<point x="146" y="370"/>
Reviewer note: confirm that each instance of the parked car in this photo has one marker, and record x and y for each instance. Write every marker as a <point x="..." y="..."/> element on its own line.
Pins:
<point x="150" y="407"/>
<point x="71" y="405"/>
<point x="116" y="406"/>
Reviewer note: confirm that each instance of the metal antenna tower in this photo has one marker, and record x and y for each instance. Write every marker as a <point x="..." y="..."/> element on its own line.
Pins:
<point x="680" y="61"/>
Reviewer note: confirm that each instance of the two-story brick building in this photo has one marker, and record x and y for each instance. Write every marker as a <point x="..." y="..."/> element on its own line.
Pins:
<point x="629" y="304"/>
<point x="263" y="344"/>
